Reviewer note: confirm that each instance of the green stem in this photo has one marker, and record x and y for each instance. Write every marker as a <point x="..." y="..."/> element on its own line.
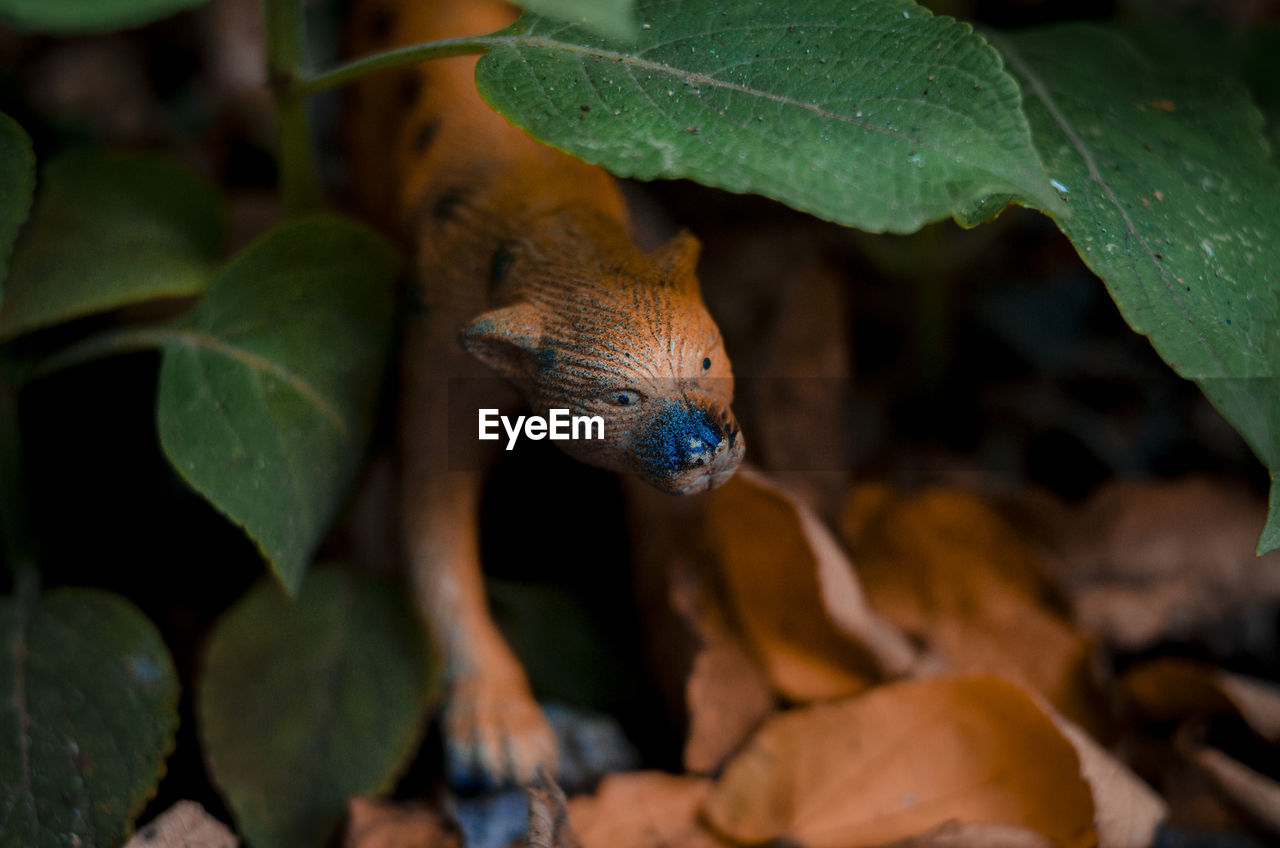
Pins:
<point x="298" y="176"/>
<point x="111" y="343"/>
<point x="394" y="59"/>
<point x="285" y="55"/>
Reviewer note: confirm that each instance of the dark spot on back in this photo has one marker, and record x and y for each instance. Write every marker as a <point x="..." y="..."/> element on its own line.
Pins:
<point x="381" y="22"/>
<point x="423" y="135"/>
<point x="447" y="205"/>
<point x="503" y="258"/>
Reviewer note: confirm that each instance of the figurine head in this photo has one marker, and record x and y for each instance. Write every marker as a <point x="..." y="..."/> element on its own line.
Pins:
<point x="636" y="346"/>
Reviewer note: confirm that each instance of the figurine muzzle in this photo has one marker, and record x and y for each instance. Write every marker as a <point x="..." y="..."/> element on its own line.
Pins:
<point x="690" y="447"/>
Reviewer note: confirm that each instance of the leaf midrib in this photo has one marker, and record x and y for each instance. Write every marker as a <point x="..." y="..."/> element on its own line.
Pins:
<point x="255" y="362"/>
<point x="631" y="64"/>
<point x="1041" y="91"/>
<point x="632" y="61"/>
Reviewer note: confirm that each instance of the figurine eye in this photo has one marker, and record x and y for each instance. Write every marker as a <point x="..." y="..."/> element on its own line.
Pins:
<point x="706" y="364"/>
<point x="624" y="397"/>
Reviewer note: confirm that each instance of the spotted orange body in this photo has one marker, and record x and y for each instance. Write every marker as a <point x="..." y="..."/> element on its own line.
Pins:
<point x="523" y="264"/>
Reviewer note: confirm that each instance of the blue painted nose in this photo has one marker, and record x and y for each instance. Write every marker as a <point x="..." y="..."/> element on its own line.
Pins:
<point x="682" y="436"/>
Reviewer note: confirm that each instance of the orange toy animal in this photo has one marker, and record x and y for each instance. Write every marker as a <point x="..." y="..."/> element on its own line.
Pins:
<point x="524" y="264"/>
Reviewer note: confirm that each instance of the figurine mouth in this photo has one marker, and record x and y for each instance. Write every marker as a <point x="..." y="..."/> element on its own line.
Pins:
<point x="707" y="482"/>
<point x="714" y="473"/>
<point x="690" y="447"/>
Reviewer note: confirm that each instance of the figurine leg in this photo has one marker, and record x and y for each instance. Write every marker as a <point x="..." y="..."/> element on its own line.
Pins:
<point x="494" y="731"/>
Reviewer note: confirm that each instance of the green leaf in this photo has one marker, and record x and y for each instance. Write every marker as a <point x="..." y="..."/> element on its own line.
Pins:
<point x="610" y="18"/>
<point x="1251" y="56"/>
<point x="75" y="16"/>
<point x="111" y="229"/>
<point x="877" y="115"/>
<point x="1176" y="206"/>
<point x="267" y="388"/>
<point x="88" y="712"/>
<point x="306" y="703"/>
<point x="1270" y="539"/>
<point x="17" y="182"/>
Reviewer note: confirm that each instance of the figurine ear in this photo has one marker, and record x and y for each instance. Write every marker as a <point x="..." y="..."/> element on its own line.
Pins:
<point x="679" y="259"/>
<point x="505" y="339"/>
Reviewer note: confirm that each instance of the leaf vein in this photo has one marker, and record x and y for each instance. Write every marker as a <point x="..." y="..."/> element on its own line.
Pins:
<point x="256" y="362"/>
<point x="1041" y="91"/>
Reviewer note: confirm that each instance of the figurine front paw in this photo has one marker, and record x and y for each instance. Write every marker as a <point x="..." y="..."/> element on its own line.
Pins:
<point x="495" y="733"/>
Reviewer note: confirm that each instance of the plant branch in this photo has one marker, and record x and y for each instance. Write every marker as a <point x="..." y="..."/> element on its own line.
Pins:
<point x="400" y="57"/>
<point x="285" y="55"/>
<point x="111" y="343"/>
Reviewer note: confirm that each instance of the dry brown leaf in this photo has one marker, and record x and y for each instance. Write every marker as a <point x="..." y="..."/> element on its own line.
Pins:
<point x="975" y="835"/>
<point x="1194" y="802"/>
<point x="372" y="823"/>
<point x="727" y="700"/>
<point x="726" y="693"/>
<point x="945" y="566"/>
<point x="1168" y="689"/>
<point x="184" y="825"/>
<point x="1257" y="795"/>
<point x="1127" y="812"/>
<point x="1145" y="562"/>
<point x="795" y="596"/>
<point x="644" y="810"/>
<point x="902" y="759"/>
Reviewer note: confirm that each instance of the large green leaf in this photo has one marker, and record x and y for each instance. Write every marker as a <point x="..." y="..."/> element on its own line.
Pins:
<point x="1176" y="206"/>
<point x="88" y="712"/>
<point x="611" y="18"/>
<point x="875" y="114"/>
<point x="17" y="182"/>
<point x="110" y="229"/>
<point x="68" y="16"/>
<point x="305" y="703"/>
<point x="267" y="388"/>
<point x="1251" y="55"/>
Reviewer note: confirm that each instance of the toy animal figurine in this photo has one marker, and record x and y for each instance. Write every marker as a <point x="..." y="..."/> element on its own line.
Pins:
<point x="524" y="264"/>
